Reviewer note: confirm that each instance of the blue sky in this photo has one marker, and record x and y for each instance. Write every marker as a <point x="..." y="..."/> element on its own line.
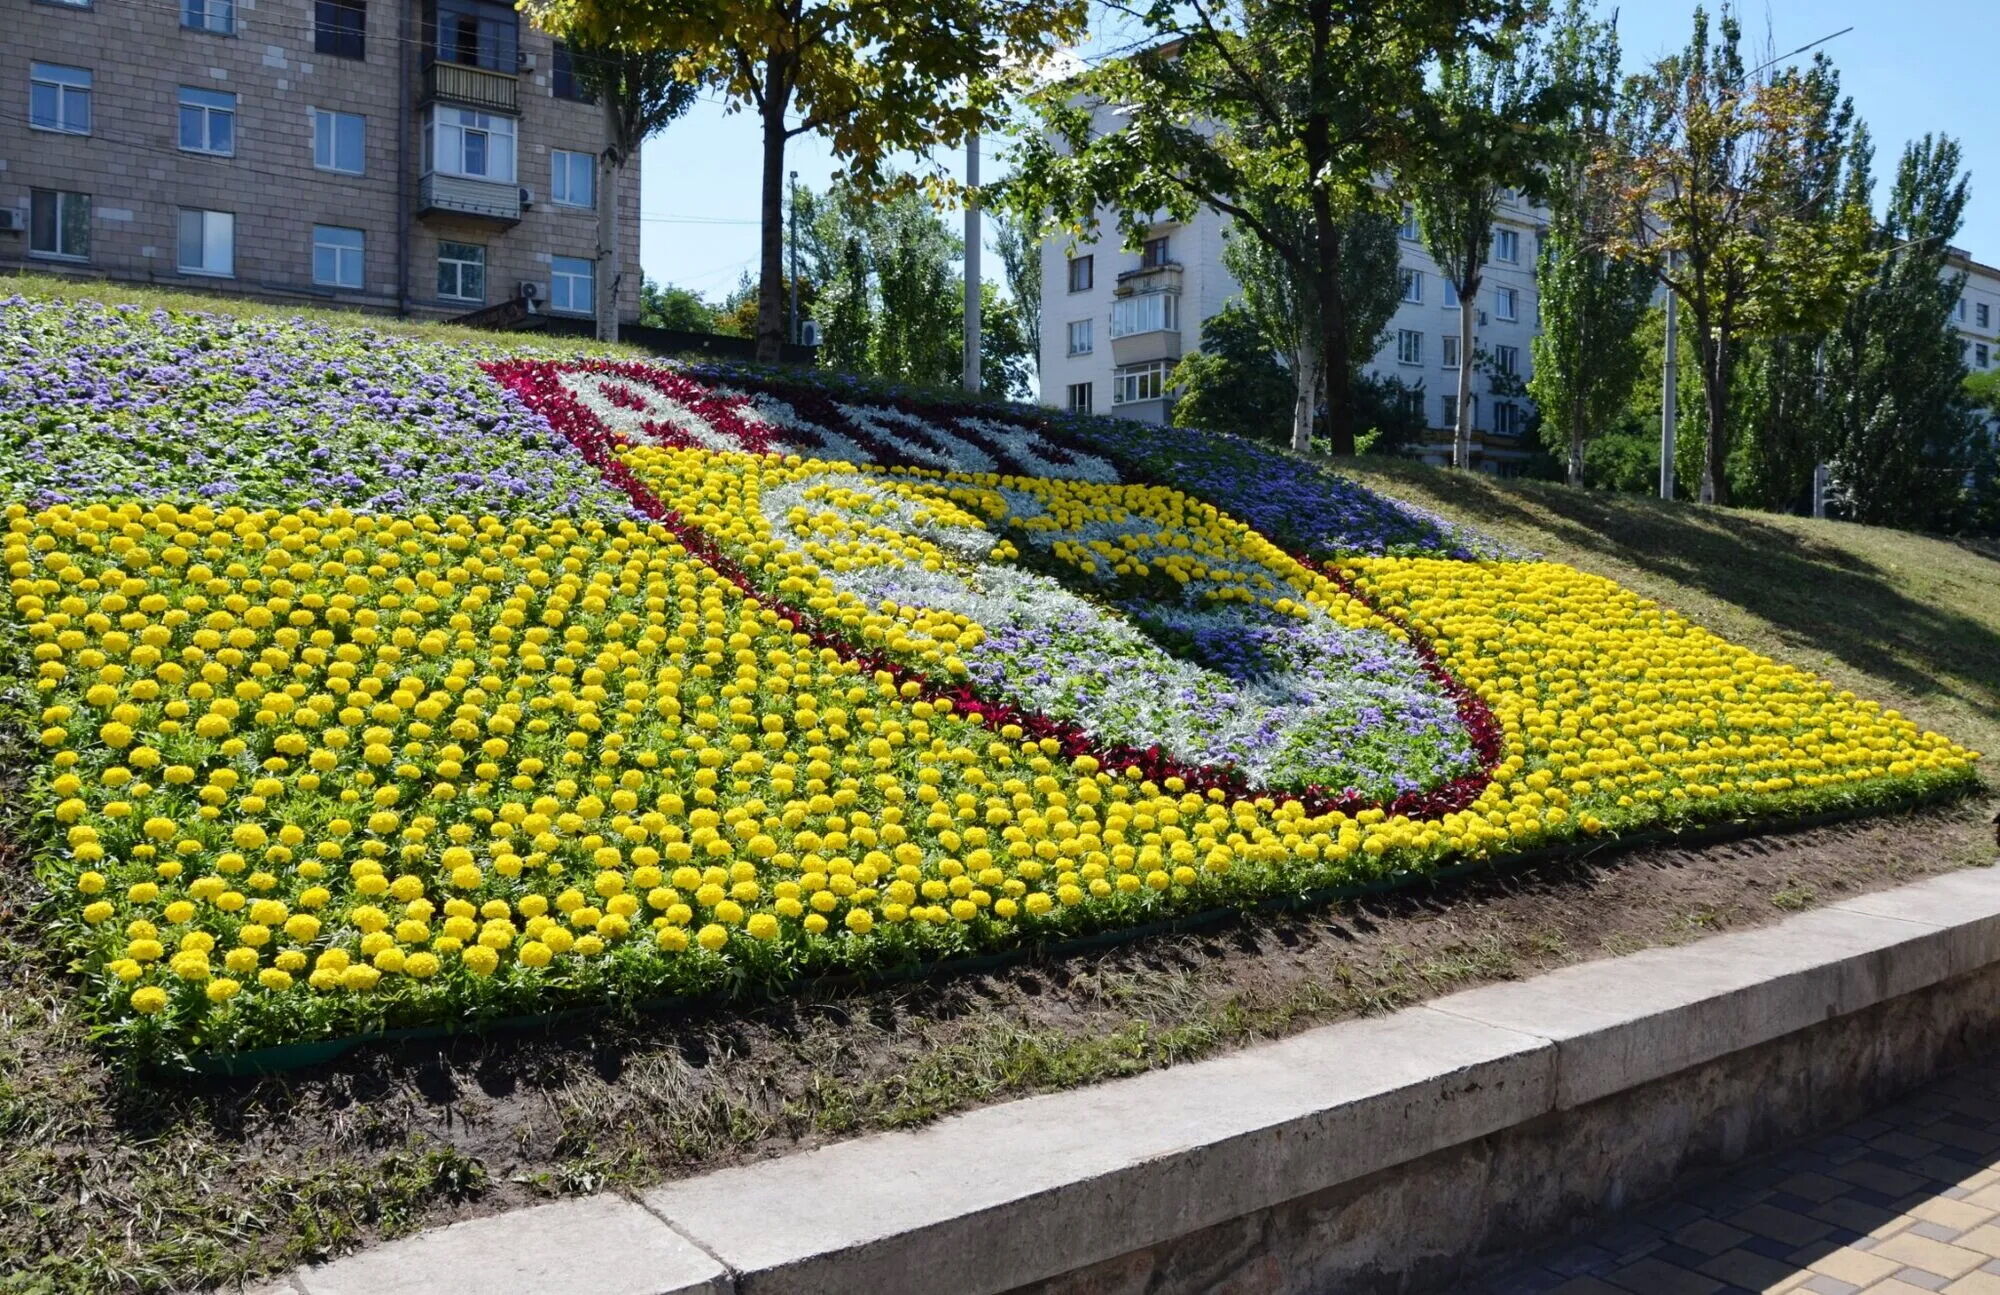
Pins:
<point x="1917" y="66"/>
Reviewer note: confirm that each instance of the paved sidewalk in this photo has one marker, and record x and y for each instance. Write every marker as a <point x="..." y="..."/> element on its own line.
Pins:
<point x="1904" y="1202"/>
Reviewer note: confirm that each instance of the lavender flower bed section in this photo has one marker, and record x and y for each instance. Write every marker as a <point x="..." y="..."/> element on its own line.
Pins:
<point x="102" y="402"/>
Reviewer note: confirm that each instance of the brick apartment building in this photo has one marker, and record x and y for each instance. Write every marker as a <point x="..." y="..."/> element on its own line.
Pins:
<point x="427" y="157"/>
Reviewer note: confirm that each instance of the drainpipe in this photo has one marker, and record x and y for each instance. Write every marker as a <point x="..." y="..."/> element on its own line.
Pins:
<point x="405" y="105"/>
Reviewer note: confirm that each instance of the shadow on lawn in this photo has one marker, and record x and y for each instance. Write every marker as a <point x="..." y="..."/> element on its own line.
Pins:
<point x="1816" y="594"/>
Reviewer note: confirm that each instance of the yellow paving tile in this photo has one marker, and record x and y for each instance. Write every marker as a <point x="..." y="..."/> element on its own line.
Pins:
<point x="1931" y="1256"/>
<point x="1986" y="1194"/>
<point x="1959" y="1215"/>
<point x="1857" y="1266"/>
<point x="1986" y="1240"/>
<point x="1979" y="1283"/>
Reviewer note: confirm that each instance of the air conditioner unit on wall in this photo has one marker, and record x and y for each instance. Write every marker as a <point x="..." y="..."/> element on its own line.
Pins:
<point x="530" y="290"/>
<point x="809" y="333"/>
<point x="527" y="196"/>
<point x="12" y="220"/>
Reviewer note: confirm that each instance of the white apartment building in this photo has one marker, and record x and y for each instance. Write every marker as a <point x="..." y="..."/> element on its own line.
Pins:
<point x="1977" y="313"/>
<point x="1114" y="322"/>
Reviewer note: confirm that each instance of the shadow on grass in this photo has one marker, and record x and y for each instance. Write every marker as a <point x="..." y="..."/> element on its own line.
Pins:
<point x="1820" y="594"/>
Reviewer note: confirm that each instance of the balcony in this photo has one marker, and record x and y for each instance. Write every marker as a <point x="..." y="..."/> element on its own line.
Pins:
<point x="1145" y="326"/>
<point x="457" y="196"/>
<point x="474" y="87"/>
<point x="1164" y="277"/>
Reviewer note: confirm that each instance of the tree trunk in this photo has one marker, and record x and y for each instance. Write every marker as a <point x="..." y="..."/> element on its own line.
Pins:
<point x="1461" y="441"/>
<point x="1715" y="447"/>
<point x="771" y="212"/>
<point x="1576" y="445"/>
<point x="610" y="169"/>
<point x="1333" y="363"/>
<point x="1305" y="372"/>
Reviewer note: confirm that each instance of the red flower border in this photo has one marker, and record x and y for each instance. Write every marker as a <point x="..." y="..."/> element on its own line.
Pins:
<point x="536" y="383"/>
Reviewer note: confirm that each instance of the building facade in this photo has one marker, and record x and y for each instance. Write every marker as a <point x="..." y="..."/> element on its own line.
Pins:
<point x="1977" y="312"/>
<point x="429" y="157"/>
<point x="1115" y="321"/>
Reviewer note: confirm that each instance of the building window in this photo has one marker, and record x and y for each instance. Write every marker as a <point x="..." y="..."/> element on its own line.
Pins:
<point x="1958" y="310"/>
<point x="59" y="224"/>
<point x="572" y="283"/>
<point x="1409" y="346"/>
<point x="1448" y="294"/>
<point x="572" y="178"/>
<point x="339" y="141"/>
<point x="1081" y="273"/>
<point x="1138" y="382"/>
<point x="336" y="256"/>
<point x="1984" y="314"/>
<point x="1506" y="246"/>
<point x="1079" y="397"/>
<point x="1148" y="312"/>
<point x="478" y="35"/>
<point x="1080" y="340"/>
<point x="1413" y="286"/>
<point x="1506" y="304"/>
<point x="207" y="242"/>
<point x="1979" y="354"/>
<point x="1409" y="229"/>
<point x="208" y="122"/>
<point x="474" y="145"/>
<point x="340" y="28"/>
<point x="563" y="82"/>
<point x="1447" y="411"/>
<point x="218" y="16"/>
<point x="70" y="4"/>
<point x="1507" y="360"/>
<point x="1506" y="419"/>
<point x="59" y="98"/>
<point x="1448" y="350"/>
<point x="1153" y="254"/>
<point x="461" y="271"/>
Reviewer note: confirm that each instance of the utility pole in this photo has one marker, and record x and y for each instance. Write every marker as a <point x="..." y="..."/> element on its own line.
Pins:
<point x="793" y="332"/>
<point x="1669" y="382"/>
<point x="971" y="376"/>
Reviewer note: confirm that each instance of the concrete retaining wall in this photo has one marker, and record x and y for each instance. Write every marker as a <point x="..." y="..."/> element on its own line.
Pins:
<point x="1392" y="1154"/>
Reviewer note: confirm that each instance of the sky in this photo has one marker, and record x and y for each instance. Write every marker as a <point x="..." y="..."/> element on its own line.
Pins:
<point x="1912" y="67"/>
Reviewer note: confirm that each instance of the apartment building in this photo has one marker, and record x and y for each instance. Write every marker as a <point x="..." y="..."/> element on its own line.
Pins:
<point x="429" y="157"/>
<point x="1114" y="322"/>
<point x="1977" y="311"/>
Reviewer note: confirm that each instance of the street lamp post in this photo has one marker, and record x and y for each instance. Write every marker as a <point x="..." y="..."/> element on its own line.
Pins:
<point x="972" y="321"/>
<point x="794" y="236"/>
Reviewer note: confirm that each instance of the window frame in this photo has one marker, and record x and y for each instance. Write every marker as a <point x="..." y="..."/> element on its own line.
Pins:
<point x="1082" y="268"/>
<point x="1982" y="315"/>
<point x="1409" y="230"/>
<point x="333" y="117"/>
<point x="41" y="76"/>
<point x="1511" y="300"/>
<point x="203" y="270"/>
<point x="1507" y="360"/>
<point x="1511" y="240"/>
<point x="1410" y="285"/>
<point x="1154" y="253"/>
<point x="207" y="114"/>
<point x="563" y="83"/>
<point x="1088" y="326"/>
<point x="459" y="275"/>
<point x="494" y="24"/>
<point x="227" y="8"/>
<point x="1981" y="354"/>
<point x="340" y="250"/>
<point x="328" y="37"/>
<point x="1448" y="351"/>
<point x="567" y="158"/>
<point x="1073" y="405"/>
<point x="1410" y="347"/>
<point x="1136" y="375"/>
<point x="588" y="274"/>
<point x="1162" y="318"/>
<point x="488" y="126"/>
<point x="1507" y="412"/>
<point x="57" y="225"/>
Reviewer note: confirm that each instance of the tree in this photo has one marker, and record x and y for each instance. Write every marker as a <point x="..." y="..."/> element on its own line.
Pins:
<point x="1586" y="353"/>
<point x="1255" y="109"/>
<point x="676" y="308"/>
<point x="1486" y="115"/>
<point x="641" y="92"/>
<point x="878" y="80"/>
<point x="916" y="333"/>
<point x="1020" y="252"/>
<point x="1905" y="437"/>
<point x="1234" y="382"/>
<point x="1282" y="304"/>
<point x="1006" y="356"/>
<point x="1709" y="163"/>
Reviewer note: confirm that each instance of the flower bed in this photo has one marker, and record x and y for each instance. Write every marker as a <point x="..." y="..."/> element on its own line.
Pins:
<point x="872" y="686"/>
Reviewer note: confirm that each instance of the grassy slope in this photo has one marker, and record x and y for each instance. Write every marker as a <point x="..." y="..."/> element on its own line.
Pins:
<point x="112" y="1184"/>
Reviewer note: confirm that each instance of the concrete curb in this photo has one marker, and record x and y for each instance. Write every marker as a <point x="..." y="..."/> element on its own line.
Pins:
<point x="1013" y="1194"/>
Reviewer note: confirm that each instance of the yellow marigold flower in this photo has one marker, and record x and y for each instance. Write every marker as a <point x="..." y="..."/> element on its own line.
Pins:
<point x="712" y="937"/>
<point x="222" y="989"/>
<point x="274" y="979"/>
<point x="149" y="1000"/>
<point x="479" y="959"/>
